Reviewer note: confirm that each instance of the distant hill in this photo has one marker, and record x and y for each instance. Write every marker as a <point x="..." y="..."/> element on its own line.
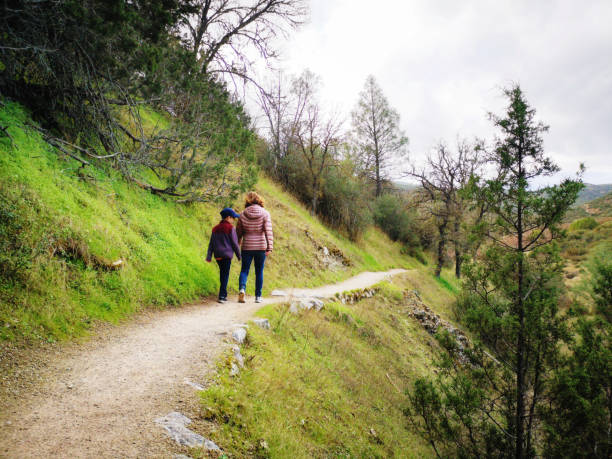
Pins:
<point x="405" y="186"/>
<point x="600" y="207"/>
<point x="591" y="192"/>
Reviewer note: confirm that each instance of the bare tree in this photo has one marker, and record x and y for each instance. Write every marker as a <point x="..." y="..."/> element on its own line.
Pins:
<point x="220" y="32"/>
<point x="442" y="180"/>
<point x="283" y="107"/>
<point x="314" y="137"/>
<point x="377" y="135"/>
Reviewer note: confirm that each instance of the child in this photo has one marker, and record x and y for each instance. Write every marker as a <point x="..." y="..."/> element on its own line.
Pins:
<point x="224" y="243"/>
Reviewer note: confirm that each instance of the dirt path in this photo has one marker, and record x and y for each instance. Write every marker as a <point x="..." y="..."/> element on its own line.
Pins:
<point x="100" y="398"/>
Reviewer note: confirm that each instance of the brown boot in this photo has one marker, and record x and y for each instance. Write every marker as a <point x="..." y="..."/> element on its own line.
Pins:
<point x="241" y="297"/>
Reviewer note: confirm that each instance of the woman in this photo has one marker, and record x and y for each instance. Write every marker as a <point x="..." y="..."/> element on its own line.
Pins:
<point x="256" y="238"/>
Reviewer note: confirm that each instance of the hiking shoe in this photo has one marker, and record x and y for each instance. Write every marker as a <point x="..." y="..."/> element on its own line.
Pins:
<point x="222" y="300"/>
<point x="241" y="296"/>
<point x="258" y="299"/>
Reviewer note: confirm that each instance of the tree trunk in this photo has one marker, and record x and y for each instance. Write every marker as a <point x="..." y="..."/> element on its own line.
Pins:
<point x="315" y="197"/>
<point x="378" y="180"/>
<point x="458" y="254"/>
<point x="441" y="245"/>
<point x="520" y="351"/>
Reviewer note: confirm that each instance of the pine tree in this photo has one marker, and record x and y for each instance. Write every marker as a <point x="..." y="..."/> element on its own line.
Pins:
<point x="510" y="302"/>
<point x="378" y="138"/>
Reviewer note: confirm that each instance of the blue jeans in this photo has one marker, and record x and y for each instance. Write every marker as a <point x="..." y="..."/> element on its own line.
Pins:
<point x="224" y="271"/>
<point x="259" y="256"/>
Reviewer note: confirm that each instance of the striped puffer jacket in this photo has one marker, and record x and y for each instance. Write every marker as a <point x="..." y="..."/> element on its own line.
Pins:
<point x="255" y="229"/>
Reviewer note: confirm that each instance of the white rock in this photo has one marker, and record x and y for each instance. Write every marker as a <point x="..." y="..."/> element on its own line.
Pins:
<point x="175" y="423"/>
<point x="325" y="251"/>
<point x="234" y="371"/>
<point x="194" y="384"/>
<point x="278" y="293"/>
<point x="238" y="356"/>
<point x="306" y="304"/>
<point x="211" y="445"/>
<point x="262" y="323"/>
<point x="239" y="335"/>
<point x="318" y="304"/>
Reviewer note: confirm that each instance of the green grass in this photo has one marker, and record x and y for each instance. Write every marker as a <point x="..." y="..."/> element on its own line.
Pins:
<point x="319" y="384"/>
<point x="65" y="225"/>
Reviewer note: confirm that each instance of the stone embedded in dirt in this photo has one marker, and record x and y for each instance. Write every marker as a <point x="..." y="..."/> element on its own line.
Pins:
<point x="306" y="304"/>
<point x="174" y="423"/>
<point x="432" y="322"/>
<point x="181" y="456"/>
<point x="262" y="323"/>
<point x="239" y="335"/>
<point x="278" y="293"/>
<point x="354" y="296"/>
<point x="210" y="445"/>
<point x="234" y="370"/>
<point x="194" y="384"/>
<point x="238" y="356"/>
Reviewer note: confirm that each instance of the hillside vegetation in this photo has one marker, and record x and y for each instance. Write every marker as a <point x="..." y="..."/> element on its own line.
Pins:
<point x="598" y="208"/>
<point x="63" y="227"/>
<point x="329" y="383"/>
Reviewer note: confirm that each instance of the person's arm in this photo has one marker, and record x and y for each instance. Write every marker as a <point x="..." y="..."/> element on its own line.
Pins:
<point x="268" y="233"/>
<point x="210" y="249"/>
<point x="239" y="231"/>
<point x="234" y="242"/>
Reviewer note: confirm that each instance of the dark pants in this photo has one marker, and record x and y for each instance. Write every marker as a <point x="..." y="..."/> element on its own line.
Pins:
<point x="224" y="270"/>
<point x="259" y="256"/>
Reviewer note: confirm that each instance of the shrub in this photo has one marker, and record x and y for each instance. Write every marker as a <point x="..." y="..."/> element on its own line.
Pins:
<point x="344" y="204"/>
<point x="391" y="216"/>
<point x="587" y="223"/>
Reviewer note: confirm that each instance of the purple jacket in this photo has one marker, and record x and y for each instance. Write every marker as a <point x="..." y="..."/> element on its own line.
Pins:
<point x="223" y="242"/>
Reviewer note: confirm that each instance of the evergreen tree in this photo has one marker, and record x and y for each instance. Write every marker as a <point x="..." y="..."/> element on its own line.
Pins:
<point x="509" y="302"/>
<point x="378" y="137"/>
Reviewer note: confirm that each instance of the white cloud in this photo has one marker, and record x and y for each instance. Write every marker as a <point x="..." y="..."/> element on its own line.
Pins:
<point x="442" y="64"/>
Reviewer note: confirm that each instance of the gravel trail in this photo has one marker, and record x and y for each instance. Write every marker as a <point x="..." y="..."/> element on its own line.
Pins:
<point x="99" y="398"/>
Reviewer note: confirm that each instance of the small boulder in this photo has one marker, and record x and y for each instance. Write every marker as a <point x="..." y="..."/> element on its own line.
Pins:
<point x="278" y="293"/>
<point x="175" y="423"/>
<point x="211" y="445"/>
<point x="262" y="323"/>
<point x="234" y="371"/>
<point x="306" y="304"/>
<point x="195" y="385"/>
<point x="238" y="356"/>
<point x="239" y="335"/>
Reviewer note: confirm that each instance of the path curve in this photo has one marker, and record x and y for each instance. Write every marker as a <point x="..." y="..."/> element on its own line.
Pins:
<point x="100" y="398"/>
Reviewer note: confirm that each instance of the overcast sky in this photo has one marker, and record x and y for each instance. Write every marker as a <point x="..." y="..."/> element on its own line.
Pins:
<point x="442" y="64"/>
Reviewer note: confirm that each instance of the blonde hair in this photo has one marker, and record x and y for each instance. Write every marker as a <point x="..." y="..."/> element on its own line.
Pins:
<point x="253" y="198"/>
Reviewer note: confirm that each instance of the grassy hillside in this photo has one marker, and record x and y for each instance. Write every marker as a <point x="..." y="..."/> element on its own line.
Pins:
<point x="62" y="228"/>
<point x="329" y="383"/>
<point x="598" y="208"/>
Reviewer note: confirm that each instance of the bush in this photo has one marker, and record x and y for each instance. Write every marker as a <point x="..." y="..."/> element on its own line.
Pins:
<point x="344" y="204"/>
<point x="601" y="271"/>
<point x="391" y="216"/>
<point x="587" y="223"/>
